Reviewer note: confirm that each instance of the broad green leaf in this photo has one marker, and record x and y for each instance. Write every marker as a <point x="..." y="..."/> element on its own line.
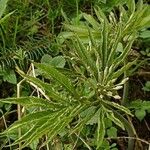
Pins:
<point x="46" y="59"/>
<point x="58" y="62"/>
<point x="140" y="114"/>
<point x="145" y="34"/>
<point x="119" y="48"/>
<point x="108" y="123"/>
<point x="112" y="132"/>
<point x="93" y="119"/>
<point x="124" y="54"/>
<point x="10" y="77"/>
<point x="63" y="36"/>
<point x="58" y="76"/>
<point x="34" y="145"/>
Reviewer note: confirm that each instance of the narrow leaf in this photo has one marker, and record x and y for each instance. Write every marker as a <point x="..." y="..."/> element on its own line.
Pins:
<point x="58" y="76"/>
<point x="29" y="102"/>
<point x="111" y="116"/>
<point x="47" y="88"/>
<point x="3" y="4"/>
<point x="92" y="21"/>
<point x="100" y="128"/>
<point x="119" y="107"/>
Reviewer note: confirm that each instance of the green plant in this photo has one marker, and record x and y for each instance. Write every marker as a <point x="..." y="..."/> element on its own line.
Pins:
<point x="3" y="4"/>
<point x="144" y="37"/>
<point x="22" y="36"/>
<point x="8" y="75"/>
<point x="140" y="107"/>
<point x="146" y="88"/>
<point x="94" y="73"/>
<point x="88" y="84"/>
<point x="132" y="20"/>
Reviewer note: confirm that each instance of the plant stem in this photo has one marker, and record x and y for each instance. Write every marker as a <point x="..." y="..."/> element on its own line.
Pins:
<point x="5" y="124"/>
<point x="129" y="128"/>
<point x="19" y="110"/>
<point x="125" y="89"/>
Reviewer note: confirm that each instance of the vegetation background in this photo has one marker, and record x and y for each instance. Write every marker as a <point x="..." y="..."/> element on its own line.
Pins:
<point x="80" y="70"/>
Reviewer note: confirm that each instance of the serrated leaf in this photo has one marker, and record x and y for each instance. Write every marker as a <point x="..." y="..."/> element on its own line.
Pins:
<point x="112" y="132"/>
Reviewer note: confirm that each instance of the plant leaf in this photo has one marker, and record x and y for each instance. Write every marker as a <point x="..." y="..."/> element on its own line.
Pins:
<point x="111" y="116"/>
<point x="3" y="4"/>
<point x="100" y="128"/>
<point x="58" y="76"/>
<point x="47" y="88"/>
<point x="140" y="114"/>
<point x="119" y="107"/>
<point x="29" y="119"/>
<point x="29" y="102"/>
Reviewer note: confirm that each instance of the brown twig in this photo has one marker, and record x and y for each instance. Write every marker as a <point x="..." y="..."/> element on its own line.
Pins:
<point x="134" y="138"/>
